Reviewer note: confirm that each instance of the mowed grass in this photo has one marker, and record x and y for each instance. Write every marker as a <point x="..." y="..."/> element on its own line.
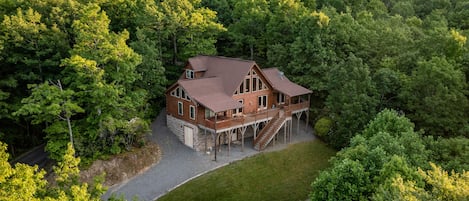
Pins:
<point x="280" y="175"/>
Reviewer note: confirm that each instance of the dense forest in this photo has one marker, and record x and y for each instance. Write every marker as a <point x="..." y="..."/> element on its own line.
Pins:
<point x="388" y="76"/>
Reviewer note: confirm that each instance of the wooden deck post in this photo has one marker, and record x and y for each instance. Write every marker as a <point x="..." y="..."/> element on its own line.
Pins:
<point x="243" y="130"/>
<point x="205" y="135"/>
<point x="285" y="132"/>
<point x="229" y="132"/>
<point x="307" y="111"/>
<point x="298" y="116"/>
<point x="216" y="136"/>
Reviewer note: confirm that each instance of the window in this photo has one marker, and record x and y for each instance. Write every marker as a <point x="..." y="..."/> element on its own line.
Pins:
<point x="209" y="113"/>
<point x="183" y="94"/>
<point x="241" y="88"/>
<point x="248" y="84"/>
<point x="180" y="108"/>
<point x="238" y="110"/>
<point x="177" y="92"/>
<point x="192" y="112"/>
<point x="254" y="84"/>
<point x="281" y="98"/>
<point x="189" y="74"/>
<point x="260" y="84"/>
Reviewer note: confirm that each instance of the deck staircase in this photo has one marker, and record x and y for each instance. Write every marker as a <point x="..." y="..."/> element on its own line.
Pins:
<point x="270" y="130"/>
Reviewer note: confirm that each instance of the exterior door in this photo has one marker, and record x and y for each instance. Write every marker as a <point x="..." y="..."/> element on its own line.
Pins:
<point x="262" y="102"/>
<point x="189" y="136"/>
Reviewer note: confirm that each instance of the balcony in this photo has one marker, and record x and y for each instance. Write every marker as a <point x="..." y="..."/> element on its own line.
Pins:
<point x="224" y="122"/>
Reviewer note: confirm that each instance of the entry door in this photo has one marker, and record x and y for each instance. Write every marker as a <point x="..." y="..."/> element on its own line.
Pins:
<point x="189" y="136"/>
<point x="262" y="102"/>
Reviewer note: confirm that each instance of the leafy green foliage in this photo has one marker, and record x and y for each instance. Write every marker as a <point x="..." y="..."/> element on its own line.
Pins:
<point x="347" y="180"/>
<point x="435" y="96"/>
<point x="50" y="103"/>
<point x="450" y="153"/>
<point x="323" y="126"/>
<point x="352" y="99"/>
<point x="24" y="182"/>
<point x="387" y="147"/>
<point x="438" y="185"/>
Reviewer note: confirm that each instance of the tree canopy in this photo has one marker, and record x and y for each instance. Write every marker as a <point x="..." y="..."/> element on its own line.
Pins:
<point x="94" y="73"/>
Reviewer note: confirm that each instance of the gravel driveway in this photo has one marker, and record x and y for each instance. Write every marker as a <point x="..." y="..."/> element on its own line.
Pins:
<point x="180" y="164"/>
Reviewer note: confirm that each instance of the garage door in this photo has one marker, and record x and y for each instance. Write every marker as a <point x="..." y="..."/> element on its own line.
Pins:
<point x="189" y="136"/>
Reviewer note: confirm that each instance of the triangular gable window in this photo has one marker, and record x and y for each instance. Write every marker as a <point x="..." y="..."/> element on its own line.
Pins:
<point x="252" y="82"/>
<point x="180" y="93"/>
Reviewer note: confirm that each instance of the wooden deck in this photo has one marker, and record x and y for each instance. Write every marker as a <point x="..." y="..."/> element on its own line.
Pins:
<point x="225" y="123"/>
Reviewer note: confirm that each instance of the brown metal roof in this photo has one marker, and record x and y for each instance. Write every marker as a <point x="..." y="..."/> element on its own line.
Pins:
<point x="283" y="84"/>
<point x="209" y="92"/>
<point x="223" y="75"/>
<point x="230" y="70"/>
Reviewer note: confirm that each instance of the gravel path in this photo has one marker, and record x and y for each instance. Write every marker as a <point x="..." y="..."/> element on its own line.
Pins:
<point x="180" y="164"/>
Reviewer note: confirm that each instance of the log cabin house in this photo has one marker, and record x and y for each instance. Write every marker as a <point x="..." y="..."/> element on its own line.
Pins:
<point x="217" y="99"/>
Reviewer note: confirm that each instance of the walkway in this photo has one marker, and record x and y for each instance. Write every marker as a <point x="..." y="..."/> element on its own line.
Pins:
<point x="180" y="163"/>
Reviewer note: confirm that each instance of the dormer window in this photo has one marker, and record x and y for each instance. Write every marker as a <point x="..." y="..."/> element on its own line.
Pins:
<point x="189" y="74"/>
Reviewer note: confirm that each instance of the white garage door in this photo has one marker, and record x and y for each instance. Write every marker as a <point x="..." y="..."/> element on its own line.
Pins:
<point x="189" y="136"/>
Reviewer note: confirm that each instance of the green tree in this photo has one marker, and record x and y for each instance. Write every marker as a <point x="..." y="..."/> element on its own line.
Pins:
<point x="450" y="153"/>
<point x="51" y="103"/>
<point x="311" y="56"/>
<point x="439" y="185"/>
<point x="435" y="97"/>
<point x="387" y="147"/>
<point x="102" y="69"/>
<point x="281" y="29"/>
<point x="151" y="70"/>
<point x="24" y="182"/>
<point x="187" y="29"/>
<point x="347" y="180"/>
<point x="30" y="53"/>
<point x="248" y="32"/>
<point x="352" y="99"/>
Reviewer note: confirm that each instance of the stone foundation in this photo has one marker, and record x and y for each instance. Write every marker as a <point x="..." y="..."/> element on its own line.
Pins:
<point x="176" y="126"/>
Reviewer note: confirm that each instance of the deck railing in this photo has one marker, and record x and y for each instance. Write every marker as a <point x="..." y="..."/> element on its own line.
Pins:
<point x="228" y="122"/>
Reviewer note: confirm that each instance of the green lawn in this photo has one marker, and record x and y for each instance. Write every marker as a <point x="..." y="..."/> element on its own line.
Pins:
<point x="281" y="175"/>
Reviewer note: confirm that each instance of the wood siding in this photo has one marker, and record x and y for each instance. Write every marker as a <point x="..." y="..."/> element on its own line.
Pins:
<point x="172" y="108"/>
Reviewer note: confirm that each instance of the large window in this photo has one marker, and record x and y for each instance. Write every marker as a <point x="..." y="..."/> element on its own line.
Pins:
<point x="252" y="82"/>
<point x="189" y="74"/>
<point x="192" y="112"/>
<point x="180" y="108"/>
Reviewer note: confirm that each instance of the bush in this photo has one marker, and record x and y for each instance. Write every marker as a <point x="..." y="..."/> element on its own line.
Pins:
<point x="323" y="126"/>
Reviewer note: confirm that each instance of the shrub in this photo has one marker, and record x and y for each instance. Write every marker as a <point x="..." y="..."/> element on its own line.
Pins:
<point x="323" y="126"/>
